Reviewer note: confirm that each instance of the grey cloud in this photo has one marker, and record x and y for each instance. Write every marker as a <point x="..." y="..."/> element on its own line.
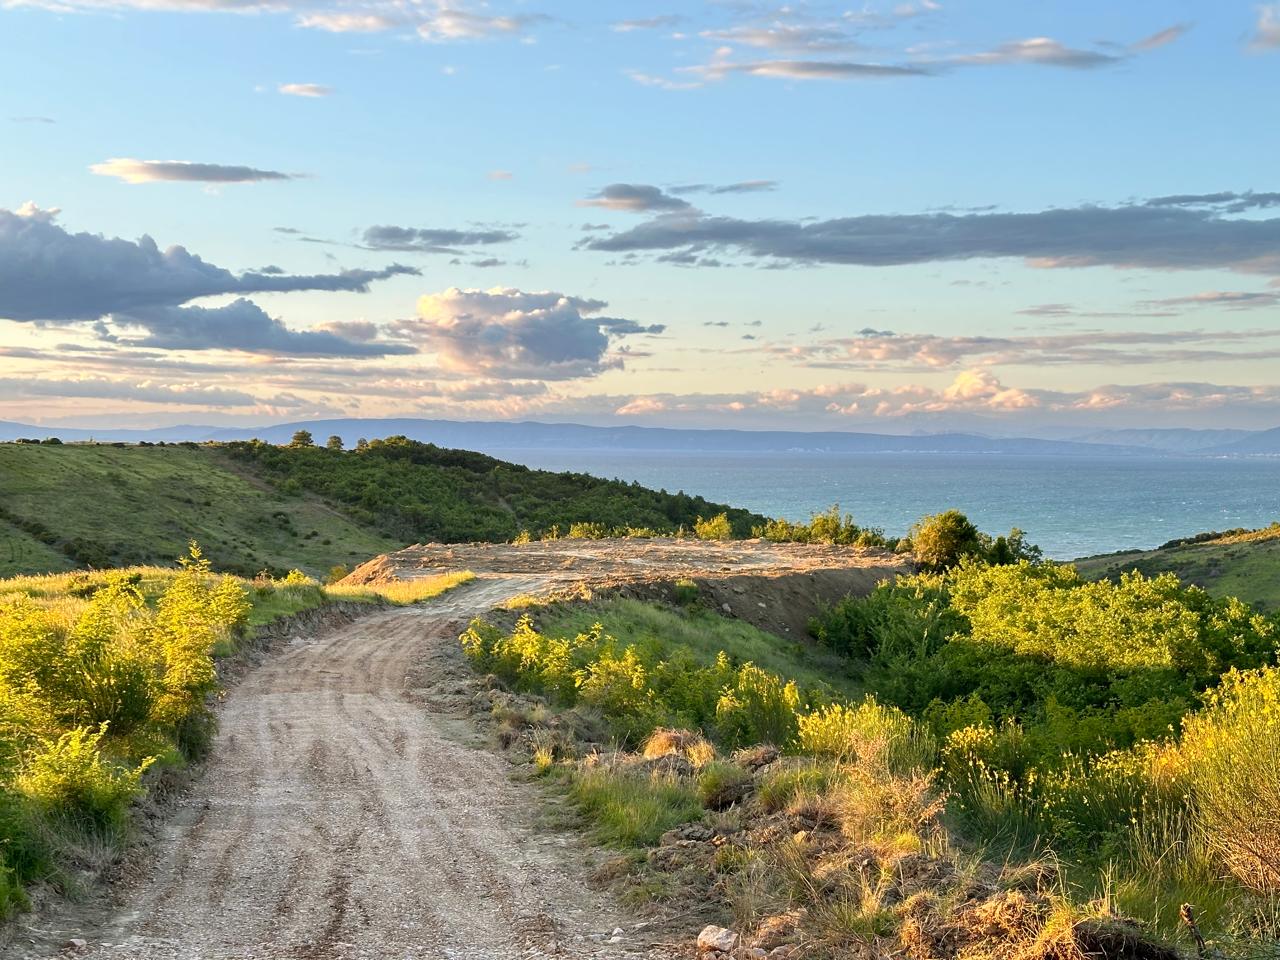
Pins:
<point x="151" y="171"/>
<point x="1231" y="299"/>
<point x="634" y="198"/>
<point x="648" y="23"/>
<point x="744" y="186"/>
<point x="1039" y="50"/>
<point x="47" y="273"/>
<point x="1156" y="237"/>
<point x="32" y="120"/>
<point x="1162" y="38"/>
<point x="1226" y="201"/>
<point x="432" y="240"/>
<point x="242" y="325"/>
<point x="811" y="69"/>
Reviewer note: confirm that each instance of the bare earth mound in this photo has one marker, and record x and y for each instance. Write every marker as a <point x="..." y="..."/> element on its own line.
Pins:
<point x="774" y="586"/>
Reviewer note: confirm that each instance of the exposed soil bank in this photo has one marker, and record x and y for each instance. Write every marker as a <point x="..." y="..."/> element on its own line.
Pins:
<point x="774" y="586"/>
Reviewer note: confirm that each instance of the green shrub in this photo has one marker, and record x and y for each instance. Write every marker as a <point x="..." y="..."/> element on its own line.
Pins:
<point x="686" y="592"/>
<point x="587" y="531"/>
<point x="869" y="735"/>
<point x="1231" y="756"/>
<point x="715" y="528"/>
<point x="780" y="787"/>
<point x="721" y="783"/>
<point x="757" y="707"/>
<point x="69" y="776"/>
<point x="632" y="809"/>
<point x="943" y="539"/>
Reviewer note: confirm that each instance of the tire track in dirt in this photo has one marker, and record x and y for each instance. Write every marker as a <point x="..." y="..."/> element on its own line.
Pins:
<point x="338" y="819"/>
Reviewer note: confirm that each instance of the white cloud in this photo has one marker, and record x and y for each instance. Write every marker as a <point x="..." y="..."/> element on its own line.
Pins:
<point x="305" y="90"/>
<point x="525" y="335"/>
<point x="152" y="171"/>
<point x="1266" y="35"/>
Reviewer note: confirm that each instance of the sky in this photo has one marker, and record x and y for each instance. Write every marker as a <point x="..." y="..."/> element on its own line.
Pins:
<point x="1020" y="217"/>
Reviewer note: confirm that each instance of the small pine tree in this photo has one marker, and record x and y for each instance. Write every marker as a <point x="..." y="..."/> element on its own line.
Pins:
<point x="333" y="443"/>
<point x="302" y="438"/>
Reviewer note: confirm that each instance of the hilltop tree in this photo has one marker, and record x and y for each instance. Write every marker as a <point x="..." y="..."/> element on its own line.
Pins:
<point x="334" y="443"/>
<point x="302" y="439"/>
<point x="942" y="539"/>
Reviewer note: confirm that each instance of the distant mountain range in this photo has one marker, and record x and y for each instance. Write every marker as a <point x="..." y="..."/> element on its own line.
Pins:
<point x="504" y="437"/>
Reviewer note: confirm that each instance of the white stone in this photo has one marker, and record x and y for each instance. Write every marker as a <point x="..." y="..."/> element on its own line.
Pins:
<point x="716" y="938"/>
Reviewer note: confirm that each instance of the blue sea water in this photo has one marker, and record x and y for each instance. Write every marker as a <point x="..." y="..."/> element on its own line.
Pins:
<point x="1071" y="507"/>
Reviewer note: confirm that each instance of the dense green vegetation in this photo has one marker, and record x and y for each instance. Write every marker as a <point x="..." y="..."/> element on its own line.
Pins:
<point x="674" y="669"/>
<point x="1233" y="563"/>
<point x="1130" y="728"/>
<point x="97" y="684"/>
<point x="77" y="505"/>
<point x="1059" y="704"/>
<point x="418" y="492"/>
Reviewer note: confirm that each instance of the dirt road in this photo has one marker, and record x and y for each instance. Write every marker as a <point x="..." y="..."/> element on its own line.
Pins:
<point x="343" y="815"/>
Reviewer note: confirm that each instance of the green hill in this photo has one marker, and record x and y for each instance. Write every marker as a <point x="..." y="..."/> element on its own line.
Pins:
<point x="253" y="506"/>
<point x="1237" y="563"/>
<point x="73" y="506"/>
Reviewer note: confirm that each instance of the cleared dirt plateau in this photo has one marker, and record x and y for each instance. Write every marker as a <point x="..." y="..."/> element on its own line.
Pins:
<point x="774" y="586"/>
<point x="351" y="807"/>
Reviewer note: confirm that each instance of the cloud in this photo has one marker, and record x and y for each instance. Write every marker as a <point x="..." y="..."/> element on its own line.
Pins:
<point x="1162" y="38"/>
<point x="647" y="23"/>
<point x="744" y="186"/>
<point x="48" y="274"/>
<point x="500" y="175"/>
<point x="634" y="198"/>
<point x="662" y="83"/>
<point x="304" y="90"/>
<point x="789" y="37"/>
<point x="1231" y="299"/>
<point x="432" y="240"/>
<point x="882" y="349"/>
<point x="338" y="22"/>
<point x="1266" y="35"/>
<point x="809" y="69"/>
<point x="504" y="332"/>
<point x="242" y="325"/>
<point x="970" y="392"/>
<point x="32" y="120"/>
<point x="150" y="171"/>
<point x="102" y="388"/>
<point x="1137" y="235"/>
<point x="1041" y="51"/>
<point x="457" y="24"/>
<point x="1225" y="201"/>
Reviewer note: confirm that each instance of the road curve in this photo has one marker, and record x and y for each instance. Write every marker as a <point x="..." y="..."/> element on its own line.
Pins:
<point x="340" y="817"/>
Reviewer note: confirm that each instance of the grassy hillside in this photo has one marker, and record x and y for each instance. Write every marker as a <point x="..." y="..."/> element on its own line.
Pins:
<point x="73" y="506"/>
<point x="253" y="506"/>
<point x="1239" y="563"/>
<point x="419" y="492"/>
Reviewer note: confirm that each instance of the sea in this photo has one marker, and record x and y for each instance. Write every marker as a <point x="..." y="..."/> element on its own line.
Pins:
<point x="1071" y="507"/>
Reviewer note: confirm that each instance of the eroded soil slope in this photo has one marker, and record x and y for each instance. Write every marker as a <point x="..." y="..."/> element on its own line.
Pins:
<point x="774" y="586"/>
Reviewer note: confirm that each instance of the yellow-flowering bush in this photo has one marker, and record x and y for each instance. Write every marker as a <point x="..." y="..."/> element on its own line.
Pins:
<point x="1231" y="757"/>
<point x="869" y="735"/>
